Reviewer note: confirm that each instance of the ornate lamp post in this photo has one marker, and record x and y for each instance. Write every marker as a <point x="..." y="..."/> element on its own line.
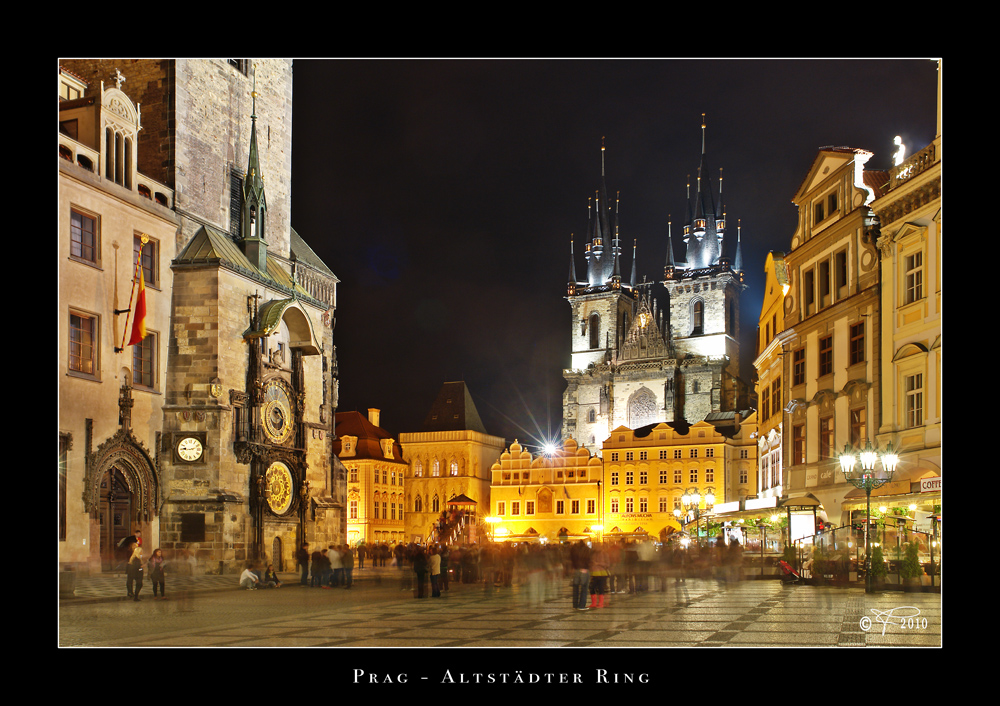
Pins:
<point x="868" y="479"/>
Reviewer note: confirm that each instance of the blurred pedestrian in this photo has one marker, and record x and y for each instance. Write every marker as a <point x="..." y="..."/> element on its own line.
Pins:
<point x="434" y="568"/>
<point x="156" y="574"/>
<point x="302" y="559"/>
<point x="419" y="561"/>
<point x="599" y="564"/>
<point x="333" y="555"/>
<point x="579" y="557"/>
<point x="134" y="573"/>
<point x="347" y="565"/>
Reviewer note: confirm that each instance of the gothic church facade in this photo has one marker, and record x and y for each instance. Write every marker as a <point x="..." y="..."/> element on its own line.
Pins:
<point x="635" y="361"/>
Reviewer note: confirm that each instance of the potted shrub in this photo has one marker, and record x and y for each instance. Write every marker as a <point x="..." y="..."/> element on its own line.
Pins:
<point x="911" y="570"/>
<point x="878" y="568"/>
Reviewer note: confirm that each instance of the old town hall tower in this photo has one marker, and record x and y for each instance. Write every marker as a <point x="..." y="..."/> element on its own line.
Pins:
<point x="636" y="361"/>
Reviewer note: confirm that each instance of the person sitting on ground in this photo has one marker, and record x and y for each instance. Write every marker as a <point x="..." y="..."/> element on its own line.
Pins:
<point x="271" y="578"/>
<point x="248" y="579"/>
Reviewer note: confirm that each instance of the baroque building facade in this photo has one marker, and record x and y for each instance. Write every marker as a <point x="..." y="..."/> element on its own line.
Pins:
<point x="636" y="362"/>
<point x="831" y="345"/>
<point x="375" y="475"/>
<point x="910" y="247"/>
<point x="241" y="467"/>
<point x="449" y="461"/>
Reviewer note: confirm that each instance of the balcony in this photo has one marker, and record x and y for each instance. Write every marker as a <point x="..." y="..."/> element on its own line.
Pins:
<point x="917" y="163"/>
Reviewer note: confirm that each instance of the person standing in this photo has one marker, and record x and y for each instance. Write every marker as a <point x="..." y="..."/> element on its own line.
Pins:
<point x="434" y="567"/>
<point x="336" y="564"/>
<point x="156" y="574"/>
<point x="419" y="560"/>
<point x="302" y="558"/>
<point x="579" y="557"/>
<point x="135" y="573"/>
<point x="347" y="565"/>
<point x="361" y="556"/>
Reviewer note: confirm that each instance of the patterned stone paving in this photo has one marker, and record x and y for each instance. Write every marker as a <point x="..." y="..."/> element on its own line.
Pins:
<point x="210" y="611"/>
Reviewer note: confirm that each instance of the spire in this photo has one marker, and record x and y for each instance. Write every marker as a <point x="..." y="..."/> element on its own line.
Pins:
<point x="254" y="201"/>
<point x="571" y="283"/>
<point x="668" y="268"/>
<point x="738" y="260"/>
<point x="632" y="278"/>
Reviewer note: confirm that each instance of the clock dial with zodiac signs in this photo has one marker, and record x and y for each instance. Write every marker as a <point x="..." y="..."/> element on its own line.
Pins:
<point x="276" y="412"/>
<point x="278" y="486"/>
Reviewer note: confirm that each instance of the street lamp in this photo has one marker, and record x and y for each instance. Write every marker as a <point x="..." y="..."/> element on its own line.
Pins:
<point x="868" y="479"/>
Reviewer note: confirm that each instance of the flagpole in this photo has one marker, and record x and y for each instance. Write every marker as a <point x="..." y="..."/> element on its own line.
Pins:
<point x="135" y="275"/>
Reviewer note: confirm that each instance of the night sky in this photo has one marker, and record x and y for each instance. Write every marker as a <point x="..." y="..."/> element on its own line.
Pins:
<point x="443" y="194"/>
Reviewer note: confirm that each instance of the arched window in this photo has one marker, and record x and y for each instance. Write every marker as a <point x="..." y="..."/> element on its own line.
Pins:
<point x="437" y="468"/>
<point x="436" y="505"/>
<point x="698" y="318"/>
<point x="418" y="469"/>
<point x="595" y="330"/>
<point x="591" y="416"/>
<point x="453" y="467"/>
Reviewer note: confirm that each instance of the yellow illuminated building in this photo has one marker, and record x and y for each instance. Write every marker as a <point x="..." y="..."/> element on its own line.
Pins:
<point x="549" y="497"/>
<point x="375" y="474"/>
<point x="652" y="471"/>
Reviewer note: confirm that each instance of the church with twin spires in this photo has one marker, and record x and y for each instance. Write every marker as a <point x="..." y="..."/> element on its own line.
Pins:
<point x="646" y="352"/>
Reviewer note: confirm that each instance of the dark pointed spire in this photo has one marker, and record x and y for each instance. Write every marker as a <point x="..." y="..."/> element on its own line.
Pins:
<point x="631" y="281"/>
<point x="571" y="282"/>
<point x="254" y="201"/>
<point x="738" y="260"/>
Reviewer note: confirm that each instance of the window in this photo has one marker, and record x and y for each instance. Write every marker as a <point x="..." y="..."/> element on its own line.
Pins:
<point x="591" y="507"/>
<point x="629" y="456"/>
<point x="677" y="476"/>
<point x="824" y="284"/>
<point x="826" y="355"/>
<point x="614" y="455"/>
<point x="798" y="444"/>
<point x="453" y="468"/>
<point x="392" y="511"/>
<point x="418" y="469"/>
<point x="436" y="468"/>
<point x="914" y="277"/>
<point x="83" y="243"/>
<point x="529" y="507"/>
<point x="694" y="453"/>
<point x="808" y="292"/>
<point x="840" y="273"/>
<point x="857" y="351"/>
<point x="375" y="509"/>
<point x="83" y="343"/>
<point x="831" y="203"/>
<point x="799" y="366"/>
<point x="765" y="402"/>
<point x="629" y="478"/>
<point x="614" y="505"/>
<point x="591" y="416"/>
<point x="664" y="505"/>
<point x="694" y="475"/>
<point x="614" y="477"/>
<point x="354" y="509"/>
<point x="144" y="362"/>
<point x="776" y="396"/>
<point x="629" y="505"/>
<point x="643" y="477"/>
<point x="913" y="386"/>
<point x="663" y="476"/>
<point x="436" y="504"/>
<point x="64" y="443"/>
<point x="698" y="318"/>
<point x="744" y="477"/>
<point x="709" y="453"/>
<point x="709" y="475"/>
<point x="574" y="507"/>
<point x="418" y="504"/>
<point x="858" y="431"/>
<point x="501" y="507"/>
<point x="352" y="475"/>
<point x="515" y="508"/>
<point x="643" y="505"/>
<point x="663" y="454"/>
<point x="643" y="455"/>
<point x="147" y="254"/>
<point x="595" y="331"/>
<point x="744" y="453"/>
<point x="818" y="212"/>
<point x="560" y="507"/>
<point x="677" y="453"/>
<point x="826" y="437"/>
<point x="392" y="478"/>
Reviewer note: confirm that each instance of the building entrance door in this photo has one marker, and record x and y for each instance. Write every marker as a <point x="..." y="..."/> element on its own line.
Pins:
<point x="116" y="519"/>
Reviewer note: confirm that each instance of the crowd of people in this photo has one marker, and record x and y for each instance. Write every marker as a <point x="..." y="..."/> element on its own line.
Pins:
<point x="594" y="570"/>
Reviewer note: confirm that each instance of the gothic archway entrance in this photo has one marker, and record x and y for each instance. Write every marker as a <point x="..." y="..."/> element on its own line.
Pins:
<point x="116" y="516"/>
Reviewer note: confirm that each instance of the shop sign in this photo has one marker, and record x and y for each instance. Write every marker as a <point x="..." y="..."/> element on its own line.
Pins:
<point x="930" y="485"/>
<point x="727" y="507"/>
<point x="758" y="503"/>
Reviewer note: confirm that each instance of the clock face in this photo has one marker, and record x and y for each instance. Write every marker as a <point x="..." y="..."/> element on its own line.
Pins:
<point x="278" y="485"/>
<point x="189" y="448"/>
<point x="276" y="413"/>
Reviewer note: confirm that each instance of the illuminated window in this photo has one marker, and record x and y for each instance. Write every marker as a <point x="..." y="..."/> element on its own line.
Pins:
<point x="83" y="237"/>
<point x="776" y="396"/>
<point x="454" y="468"/>
<point x="798" y="444"/>
<point x="418" y="469"/>
<point x="643" y="477"/>
<point x="614" y="504"/>
<point x="857" y="350"/>
<point x="914" y="277"/>
<point x="515" y="508"/>
<point x="629" y="478"/>
<point x="83" y="343"/>
<point x="698" y="318"/>
<point x="529" y="507"/>
<point x="858" y="430"/>
<point x="643" y="505"/>
<point x="664" y="505"/>
<point x="826" y="355"/>
<point x="709" y="475"/>
<point x="436" y="471"/>
<point x="677" y="476"/>
<point x="913" y="386"/>
<point x="799" y="366"/>
<point x="501" y="508"/>
<point x="629" y="505"/>
<point x="354" y="509"/>
<point x="591" y="507"/>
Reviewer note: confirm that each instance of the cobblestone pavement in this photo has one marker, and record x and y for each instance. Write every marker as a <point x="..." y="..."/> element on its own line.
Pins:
<point x="380" y="611"/>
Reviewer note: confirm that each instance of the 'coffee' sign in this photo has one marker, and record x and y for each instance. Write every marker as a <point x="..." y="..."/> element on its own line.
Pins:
<point x="930" y="485"/>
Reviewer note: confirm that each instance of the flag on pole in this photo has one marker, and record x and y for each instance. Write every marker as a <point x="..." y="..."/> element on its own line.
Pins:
<point x="139" y="321"/>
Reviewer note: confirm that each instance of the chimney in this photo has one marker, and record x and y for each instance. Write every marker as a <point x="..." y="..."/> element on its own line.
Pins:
<point x="373" y="416"/>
